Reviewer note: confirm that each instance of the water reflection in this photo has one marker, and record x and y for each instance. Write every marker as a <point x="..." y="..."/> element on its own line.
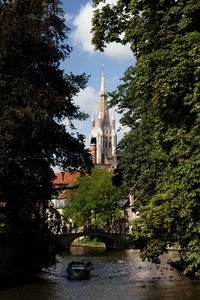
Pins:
<point x="117" y="275"/>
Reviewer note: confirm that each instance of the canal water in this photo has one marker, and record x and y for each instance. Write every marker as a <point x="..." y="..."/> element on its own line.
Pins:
<point x="117" y="275"/>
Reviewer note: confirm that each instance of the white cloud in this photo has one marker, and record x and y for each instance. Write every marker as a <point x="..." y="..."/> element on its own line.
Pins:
<point x="68" y="17"/>
<point x="118" y="51"/>
<point x="82" y="36"/>
<point x="88" y="100"/>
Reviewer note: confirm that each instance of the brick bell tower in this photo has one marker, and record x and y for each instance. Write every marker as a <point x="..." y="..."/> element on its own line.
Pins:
<point x="103" y="138"/>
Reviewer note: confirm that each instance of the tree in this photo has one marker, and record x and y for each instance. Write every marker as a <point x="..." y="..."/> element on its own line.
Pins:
<point x="35" y="97"/>
<point x="159" y="99"/>
<point x="95" y="199"/>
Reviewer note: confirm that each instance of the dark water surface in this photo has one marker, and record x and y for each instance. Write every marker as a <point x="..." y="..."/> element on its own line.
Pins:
<point x="117" y="275"/>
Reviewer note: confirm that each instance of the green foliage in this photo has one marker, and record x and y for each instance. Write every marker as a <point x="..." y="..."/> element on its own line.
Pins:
<point x="160" y="102"/>
<point x="95" y="200"/>
<point x="88" y="242"/>
<point x="35" y="97"/>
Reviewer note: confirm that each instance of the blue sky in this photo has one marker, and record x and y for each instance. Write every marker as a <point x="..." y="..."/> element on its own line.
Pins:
<point x="115" y="59"/>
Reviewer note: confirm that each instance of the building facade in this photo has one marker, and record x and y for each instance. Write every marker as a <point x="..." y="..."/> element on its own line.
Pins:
<point x="103" y="138"/>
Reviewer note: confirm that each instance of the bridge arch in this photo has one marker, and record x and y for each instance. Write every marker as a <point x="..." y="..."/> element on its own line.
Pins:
<point x="104" y="239"/>
<point x="111" y="240"/>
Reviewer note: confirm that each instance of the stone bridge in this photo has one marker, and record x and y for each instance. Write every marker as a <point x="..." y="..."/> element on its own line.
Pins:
<point x="111" y="240"/>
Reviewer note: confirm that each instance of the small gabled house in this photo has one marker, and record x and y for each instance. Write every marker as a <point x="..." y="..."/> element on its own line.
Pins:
<point x="63" y="181"/>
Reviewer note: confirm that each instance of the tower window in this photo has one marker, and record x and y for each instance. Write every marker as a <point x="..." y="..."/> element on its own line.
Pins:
<point x="93" y="141"/>
<point x="109" y="144"/>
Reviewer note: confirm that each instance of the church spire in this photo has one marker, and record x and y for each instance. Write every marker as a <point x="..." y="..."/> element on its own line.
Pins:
<point x="102" y="109"/>
<point x="103" y="89"/>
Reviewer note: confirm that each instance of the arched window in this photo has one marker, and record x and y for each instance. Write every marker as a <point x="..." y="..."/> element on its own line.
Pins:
<point x="93" y="141"/>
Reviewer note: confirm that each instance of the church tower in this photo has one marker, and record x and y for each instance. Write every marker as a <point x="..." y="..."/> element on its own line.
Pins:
<point x="103" y="138"/>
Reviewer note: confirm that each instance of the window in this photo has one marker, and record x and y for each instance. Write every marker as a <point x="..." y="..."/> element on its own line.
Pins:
<point x="60" y="203"/>
<point x="93" y="141"/>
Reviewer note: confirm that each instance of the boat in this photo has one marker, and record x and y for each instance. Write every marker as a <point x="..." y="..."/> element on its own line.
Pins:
<point x="79" y="270"/>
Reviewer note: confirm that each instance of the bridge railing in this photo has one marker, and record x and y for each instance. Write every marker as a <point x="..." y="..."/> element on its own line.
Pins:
<point x="94" y="229"/>
<point x="95" y="232"/>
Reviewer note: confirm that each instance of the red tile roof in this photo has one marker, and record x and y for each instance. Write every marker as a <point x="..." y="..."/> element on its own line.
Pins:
<point x="62" y="196"/>
<point x="64" y="179"/>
